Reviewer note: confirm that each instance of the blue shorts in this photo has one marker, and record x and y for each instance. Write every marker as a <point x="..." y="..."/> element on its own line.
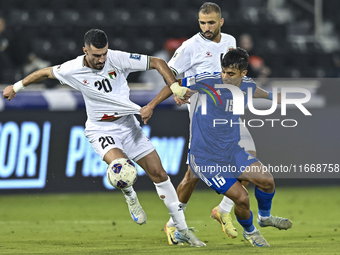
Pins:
<point x="221" y="176"/>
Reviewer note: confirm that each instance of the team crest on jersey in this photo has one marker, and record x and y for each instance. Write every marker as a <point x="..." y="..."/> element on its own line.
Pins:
<point x="112" y="74"/>
<point x="135" y="56"/>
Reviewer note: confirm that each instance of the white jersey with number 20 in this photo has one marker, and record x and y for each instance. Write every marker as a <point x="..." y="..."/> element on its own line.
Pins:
<point x="106" y="92"/>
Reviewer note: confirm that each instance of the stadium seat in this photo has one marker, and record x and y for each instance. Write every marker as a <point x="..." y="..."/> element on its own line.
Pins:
<point x="43" y="17"/>
<point x="146" y="16"/>
<point x="170" y="16"/>
<point x="119" y="17"/>
<point x="69" y="17"/>
<point x="44" y="47"/>
<point x="93" y="18"/>
<point x="19" y="17"/>
<point x="144" y="46"/>
<point x="119" y="43"/>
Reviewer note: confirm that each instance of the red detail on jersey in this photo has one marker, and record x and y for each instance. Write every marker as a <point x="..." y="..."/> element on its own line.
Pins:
<point x="208" y="54"/>
<point x="107" y="117"/>
<point x="86" y="82"/>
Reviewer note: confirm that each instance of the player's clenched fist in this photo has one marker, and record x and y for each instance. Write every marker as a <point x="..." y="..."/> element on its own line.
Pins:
<point x="8" y="93"/>
<point x="146" y="113"/>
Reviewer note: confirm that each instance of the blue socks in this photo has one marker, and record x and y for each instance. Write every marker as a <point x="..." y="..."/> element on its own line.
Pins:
<point x="264" y="201"/>
<point x="247" y="224"/>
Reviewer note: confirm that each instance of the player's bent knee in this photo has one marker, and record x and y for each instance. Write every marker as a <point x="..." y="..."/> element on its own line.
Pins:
<point x="158" y="174"/>
<point x="242" y="201"/>
<point x="267" y="183"/>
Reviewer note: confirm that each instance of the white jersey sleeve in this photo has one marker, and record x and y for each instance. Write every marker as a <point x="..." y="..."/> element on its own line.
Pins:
<point x="181" y="60"/>
<point x="63" y="73"/>
<point x="129" y="62"/>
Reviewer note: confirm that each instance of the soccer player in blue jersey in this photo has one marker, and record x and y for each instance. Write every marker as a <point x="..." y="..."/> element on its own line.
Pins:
<point x="215" y="155"/>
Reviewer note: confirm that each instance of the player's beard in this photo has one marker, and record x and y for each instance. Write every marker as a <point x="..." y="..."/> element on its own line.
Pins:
<point x="213" y="34"/>
<point x="96" y="65"/>
<point x="99" y="66"/>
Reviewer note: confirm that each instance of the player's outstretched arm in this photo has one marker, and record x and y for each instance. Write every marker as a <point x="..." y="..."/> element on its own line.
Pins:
<point x="42" y="74"/>
<point x="147" y="111"/>
<point x="261" y="93"/>
<point x="169" y="77"/>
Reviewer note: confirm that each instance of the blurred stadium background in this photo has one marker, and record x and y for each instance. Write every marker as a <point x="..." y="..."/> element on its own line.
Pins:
<point x="287" y="34"/>
<point x="42" y="146"/>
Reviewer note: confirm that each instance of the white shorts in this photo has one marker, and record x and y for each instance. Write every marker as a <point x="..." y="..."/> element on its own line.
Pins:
<point x="124" y="133"/>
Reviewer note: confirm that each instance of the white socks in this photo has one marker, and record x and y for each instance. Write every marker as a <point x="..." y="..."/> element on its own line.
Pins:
<point x="129" y="193"/>
<point x="171" y="222"/>
<point x="226" y="205"/>
<point x="167" y="193"/>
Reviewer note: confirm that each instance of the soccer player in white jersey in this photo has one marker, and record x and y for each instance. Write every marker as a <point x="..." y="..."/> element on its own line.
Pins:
<point x="202" y="53"/>
<point x="111" y="127"/>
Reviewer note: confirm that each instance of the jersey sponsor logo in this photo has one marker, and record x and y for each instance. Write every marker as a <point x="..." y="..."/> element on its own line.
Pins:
<point x="176" y="56"/>
<point x="112" y="74"/>
<point x="86" y="82"/>
<point x="135" y="56"/>
<point x="208" y="54"/>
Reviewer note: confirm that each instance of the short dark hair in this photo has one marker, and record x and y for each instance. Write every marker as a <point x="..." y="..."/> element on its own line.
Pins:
<point x="237" y="58"/>
<point x="209" y="7"/>
<point x="95" y="37"/>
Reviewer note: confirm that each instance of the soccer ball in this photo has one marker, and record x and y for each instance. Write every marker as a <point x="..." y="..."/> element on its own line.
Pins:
<point x="121" y="173"/>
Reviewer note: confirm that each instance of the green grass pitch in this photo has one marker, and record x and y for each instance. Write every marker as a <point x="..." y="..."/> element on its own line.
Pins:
<point x="99" y="223"/>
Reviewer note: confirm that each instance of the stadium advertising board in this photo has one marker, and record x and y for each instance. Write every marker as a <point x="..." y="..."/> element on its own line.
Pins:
<point x="48" y="151"/>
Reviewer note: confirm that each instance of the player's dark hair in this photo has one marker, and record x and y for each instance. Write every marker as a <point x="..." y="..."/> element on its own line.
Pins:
<point x="237" y="58"/>
<point x="209" y="7"/>
<point x="95" y="37"/>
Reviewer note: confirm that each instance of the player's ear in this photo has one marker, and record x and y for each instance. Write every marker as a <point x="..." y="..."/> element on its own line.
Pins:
<point x="221" y="22"/>
<point x="85" y="50"/>
<point x="244" y="73"/>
